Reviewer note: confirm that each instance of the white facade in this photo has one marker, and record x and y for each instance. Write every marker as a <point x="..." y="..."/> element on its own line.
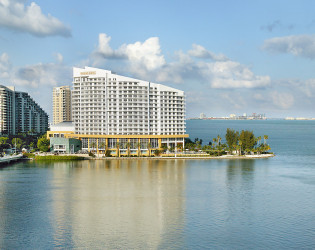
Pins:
<point x="104" y="103"/>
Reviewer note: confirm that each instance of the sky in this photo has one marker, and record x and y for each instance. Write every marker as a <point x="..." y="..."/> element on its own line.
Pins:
<point x="230" y="57"/>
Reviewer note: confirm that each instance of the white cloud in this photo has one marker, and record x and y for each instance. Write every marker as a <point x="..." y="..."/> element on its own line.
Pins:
<point x="299" y="45"/>
<point x="145" y="60"/>
<point x="5" y="65"/>
<point x="200" y="52"/>
<point x="42" y="74"/>
<point x="282" y="100"/>
<point x="230" y="74"/>
<point x="37" y="75"/>
<point x="16" y="16"/>
<point x="145" y="57"/>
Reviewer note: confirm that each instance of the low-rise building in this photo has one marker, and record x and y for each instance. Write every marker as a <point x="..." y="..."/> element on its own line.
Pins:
<point x="65" y="145"/>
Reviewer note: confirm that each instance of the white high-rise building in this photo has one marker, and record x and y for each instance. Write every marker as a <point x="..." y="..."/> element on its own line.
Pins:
<point x="105" y="103"/>
<point x="113" y="111"/>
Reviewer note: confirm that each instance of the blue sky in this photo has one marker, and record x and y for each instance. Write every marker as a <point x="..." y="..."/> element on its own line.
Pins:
<point x="228" y="56"/>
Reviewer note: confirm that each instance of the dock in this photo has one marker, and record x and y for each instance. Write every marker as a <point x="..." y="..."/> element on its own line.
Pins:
<point x="11" y="158"/>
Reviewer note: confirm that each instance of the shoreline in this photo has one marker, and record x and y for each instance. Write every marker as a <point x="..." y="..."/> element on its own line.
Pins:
<point x="223" y="157"/>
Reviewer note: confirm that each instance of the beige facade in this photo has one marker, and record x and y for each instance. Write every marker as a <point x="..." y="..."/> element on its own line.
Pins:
<point x="61" y="104"/>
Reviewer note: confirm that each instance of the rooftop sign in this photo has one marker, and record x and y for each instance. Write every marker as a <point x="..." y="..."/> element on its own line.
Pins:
<point x="88" y="73"/>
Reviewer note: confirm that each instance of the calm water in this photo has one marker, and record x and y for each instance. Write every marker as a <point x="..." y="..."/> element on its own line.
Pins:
<point x="168" y="204"/>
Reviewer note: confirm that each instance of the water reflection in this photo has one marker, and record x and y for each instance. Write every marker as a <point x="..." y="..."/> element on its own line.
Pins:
<point x="117" y="203"/>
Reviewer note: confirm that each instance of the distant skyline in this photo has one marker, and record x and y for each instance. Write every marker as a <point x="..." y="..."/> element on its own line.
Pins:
<point x="230" y="57"/>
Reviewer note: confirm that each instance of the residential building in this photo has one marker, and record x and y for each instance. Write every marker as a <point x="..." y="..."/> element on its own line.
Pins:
<point x="125" y="115"/>
<point x="61" y="104"/>
<point x="19" y="113"/>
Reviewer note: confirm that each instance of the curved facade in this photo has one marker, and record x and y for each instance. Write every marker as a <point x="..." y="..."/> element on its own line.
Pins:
<point x="125" y="115"/>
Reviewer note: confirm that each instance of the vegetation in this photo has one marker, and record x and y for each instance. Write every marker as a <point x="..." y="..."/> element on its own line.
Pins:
<point x="43" y="144"/>
<point x="107" y="153"/>
<point x="91" y="154"/>
<point x="29" y="155"/>
<point x="240" y="143"/>
<point x="58" y="157"/>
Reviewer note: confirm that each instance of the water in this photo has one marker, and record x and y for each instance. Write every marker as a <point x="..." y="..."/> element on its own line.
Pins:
<point x="168" y="204"/>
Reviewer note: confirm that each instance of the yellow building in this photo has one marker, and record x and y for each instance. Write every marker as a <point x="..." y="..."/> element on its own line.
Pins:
<point x="61" y="104"/>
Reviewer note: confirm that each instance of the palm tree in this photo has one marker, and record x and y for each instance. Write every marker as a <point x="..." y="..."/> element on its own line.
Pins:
<point x="214" y="141"/>
<point x="149" y="148"/>
<point x="93" y="145"/>
<point x="102" y="146"/>
<point x="138" y="145"/>
<point x="219" y="139"/>
<point x="259" y="139"/>
<point x="240" y="148"/>
<point x="265" y="139"/>
<point x="128" y="148"/>
<point x="117" y="147"/>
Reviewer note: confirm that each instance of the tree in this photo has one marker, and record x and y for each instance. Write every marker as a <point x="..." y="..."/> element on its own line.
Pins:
<point x="17" y="143"/>
<point x="164" y="147"/>
<point x="149" y="148"/>
<point x="102" y="146"/>
<point x="128" y="148"/>
<point x="248" y="140"/>
<point x="93" y="145"/>
<point x="265" y="139"/>
<point x="3" y="140"/>
<point x="117" y="147"/>
<point x="43" y="144"/>
<point x="3" y="143"/>
<point x="157" y="152"/>
<point x="231" y="138"/>
<point x="138" y="145"/>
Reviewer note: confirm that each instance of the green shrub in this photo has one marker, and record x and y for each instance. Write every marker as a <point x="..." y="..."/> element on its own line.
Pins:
<point x="58" y="157"/>
<point x="29" y="155"/>
<point x="91" y="154"/>
<point x="107" y="153"/>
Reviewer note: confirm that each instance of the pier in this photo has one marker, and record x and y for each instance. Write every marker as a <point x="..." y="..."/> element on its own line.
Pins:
<point x="9" y="159"/>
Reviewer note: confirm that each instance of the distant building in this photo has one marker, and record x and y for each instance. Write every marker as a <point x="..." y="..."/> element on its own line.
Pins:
<point x="61" y="104"/>
<point x="19" y="113"/>
<point x="202" y="116"/>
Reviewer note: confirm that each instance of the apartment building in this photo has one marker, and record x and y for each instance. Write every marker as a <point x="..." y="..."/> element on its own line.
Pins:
<point x="19" y="113"/>
<point x="61" y="104"/>
<point x="125" y="115"/>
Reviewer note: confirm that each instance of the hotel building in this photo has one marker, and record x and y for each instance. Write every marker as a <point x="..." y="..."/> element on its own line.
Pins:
<point x="19" y="113"/>
<point x="125" y="115"/>
<point x="61" y="104"/>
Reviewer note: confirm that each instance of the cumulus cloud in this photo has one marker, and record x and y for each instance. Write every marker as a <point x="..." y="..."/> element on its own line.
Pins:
<point x="200" y="52"/>
<point x="15" y="15"/>
<point x="299" y="45"/>
<point x="144" y="56"/>
<point x="37" y="75"/>
<point x="145" y="59"/>
<point x="42" y="74"/>
<point x="231" y="74"/>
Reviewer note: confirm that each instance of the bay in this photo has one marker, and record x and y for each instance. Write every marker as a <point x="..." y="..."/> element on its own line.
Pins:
<point x="168" y="204"/>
